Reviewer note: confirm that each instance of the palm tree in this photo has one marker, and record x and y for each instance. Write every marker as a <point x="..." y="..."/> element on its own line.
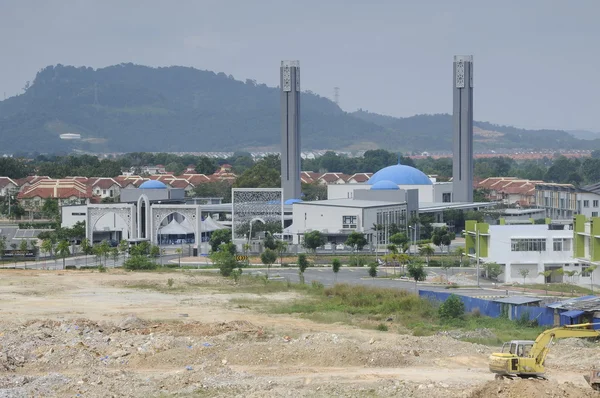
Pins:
<point x="281" y="248"/>
<point x="460" y="252"/>
<point x="47" y="247"/>
<point x="426" y="251"/>
<point x="86" y="248"/>
<point x="63" y="250"/>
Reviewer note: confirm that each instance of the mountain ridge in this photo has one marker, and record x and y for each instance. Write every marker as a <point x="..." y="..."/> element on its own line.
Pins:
<point x="135" y="108"/>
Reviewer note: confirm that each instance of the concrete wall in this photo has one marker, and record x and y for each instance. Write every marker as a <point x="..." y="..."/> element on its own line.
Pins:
<point x="322" y="218"/>
<point x="344" y="191"/>
<point x="439" y="189"/>
<point x="72" y="214"/>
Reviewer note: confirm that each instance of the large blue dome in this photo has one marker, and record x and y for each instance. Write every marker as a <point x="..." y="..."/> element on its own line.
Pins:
<point x="400" y="174"/>
<point x="153" y="184"/>
<point x="384" y="185"/>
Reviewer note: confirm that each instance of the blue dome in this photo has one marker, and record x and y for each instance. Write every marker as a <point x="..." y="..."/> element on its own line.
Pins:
<point x="153" y="184"/>
<point x="400" y="174"/>
<point x="384" y="185"/>
<point x="292" y="201"/>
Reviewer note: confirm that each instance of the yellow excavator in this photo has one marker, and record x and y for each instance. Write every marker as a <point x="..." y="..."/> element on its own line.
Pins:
<point x="525" y="358"/>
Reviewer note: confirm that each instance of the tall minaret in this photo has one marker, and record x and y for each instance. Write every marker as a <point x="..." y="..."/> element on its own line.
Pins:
<point x="290" y="129"/>
<point x="462" y="163"/>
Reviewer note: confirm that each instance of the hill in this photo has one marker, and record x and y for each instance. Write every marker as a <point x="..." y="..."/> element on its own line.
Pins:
<point x="434" y="132"/>
<point x="133" y="108"/>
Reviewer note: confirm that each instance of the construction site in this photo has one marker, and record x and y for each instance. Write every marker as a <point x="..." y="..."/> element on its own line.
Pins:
<point x="115" y="334"/>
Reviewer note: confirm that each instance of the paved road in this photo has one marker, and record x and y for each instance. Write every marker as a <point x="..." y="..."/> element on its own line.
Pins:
<point x="360" y="276"/>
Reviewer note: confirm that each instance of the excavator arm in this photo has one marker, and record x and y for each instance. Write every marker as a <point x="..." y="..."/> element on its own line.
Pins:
<point x="541" y="346"/>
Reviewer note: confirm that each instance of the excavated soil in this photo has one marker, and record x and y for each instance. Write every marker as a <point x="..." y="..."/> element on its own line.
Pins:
<point x="83" y="334"/>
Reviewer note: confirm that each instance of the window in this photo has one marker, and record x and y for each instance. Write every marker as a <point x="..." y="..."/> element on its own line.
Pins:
<point x="594" y="214"/>
<point x="78" y="214"/>
<point x="349" y="222"/>
<point x="104" y="192"/>
<point x="595" y="203"/>
<point x="110" y="193"/>
<point x="586" y="203"/>
<point x="561" y="244"/>
<point x="447" y="197"/>
<point x="528" y="245"/>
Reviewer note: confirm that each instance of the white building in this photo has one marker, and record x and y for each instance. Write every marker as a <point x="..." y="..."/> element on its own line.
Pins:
<point x="535" y="248"/>
<point x="337" y="218"/>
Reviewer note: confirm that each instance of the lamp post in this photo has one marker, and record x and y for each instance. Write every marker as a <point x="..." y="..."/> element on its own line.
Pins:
<point x="477" y="243"/>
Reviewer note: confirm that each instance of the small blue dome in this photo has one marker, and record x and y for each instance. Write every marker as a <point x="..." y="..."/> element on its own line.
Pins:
<point x="384" y="185"/>
<point x="292" y="201"/>
<point x="400" y="174"/>
<point x="153" y="184"/>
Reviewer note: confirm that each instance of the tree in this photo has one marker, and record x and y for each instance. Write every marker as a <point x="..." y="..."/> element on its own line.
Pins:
<point x="219" y="237"/>
<point x="114" y="253"/>
<point x="302" y="266"/>
<point x="123" y="247"/>
<point x="392" y="248"/>
<point x="373" y="270"/>
<point x="452" y="308"/>
<point x="590" y="271"/>
<point x="268" y="257"/>
<point x="524" y="272"/>
<point x="224" y="259"/>
<point x="62" y="249"/>
<point x="2" y="245"/>
<point x="281" y="248"/>
<point x="417" y="272"/>
<point x="335" y="266"/>
<point x="426" y="251"/>
<point x="357" y="241"/>
<point x="260" y="175"/>
<point x="23" y="247"/>
<point x="104" y="250"/>
<point x="47" y="247"/>
<point x="50" y="209"/>
<point x="269" y="241"/>
<point x="313" y="240"/>
<point x="206" y="165"/>
<point x="459" y="252"/>
<point x="571" y="274"/>
<point x="492" y="270"/>
<point x="179" y="251"/>
<point x="442" y="237"/>
<point x="399" y="239"/>
<point x="546" y="274"/>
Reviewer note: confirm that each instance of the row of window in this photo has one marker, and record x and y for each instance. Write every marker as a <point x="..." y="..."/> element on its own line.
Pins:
<point x="349" y="222"/>
<point x="586" y="203"/>
<point x="539" y="245"/>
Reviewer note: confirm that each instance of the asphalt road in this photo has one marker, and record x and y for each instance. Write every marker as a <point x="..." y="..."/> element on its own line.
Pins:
<point x="360" y="276"/>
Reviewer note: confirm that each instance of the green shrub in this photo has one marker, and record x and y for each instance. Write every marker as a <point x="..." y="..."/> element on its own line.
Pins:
<point x="373" y="270"/>
<point x="138" y="262"/>
<point x="70" y="267"/>
<point x="101" y="268"/>
<point x="170" y="282"/>
<point x="452" y="308"/>
<point x="317" y="285"/>
<point x="382" y="327"/>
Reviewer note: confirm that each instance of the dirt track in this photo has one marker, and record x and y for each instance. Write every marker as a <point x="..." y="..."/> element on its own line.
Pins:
<point x="88" y="334"/>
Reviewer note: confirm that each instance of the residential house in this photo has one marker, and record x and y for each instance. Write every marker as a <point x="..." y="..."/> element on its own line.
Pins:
<point x="106" y="188"/>
<point x="510" y="190"/>
<point x="564" y="201"/>
<point x="67" y="191"/>
<point x="333" y="178"/>
<point x="8" y="186"/>
<point x="359" y="178"/>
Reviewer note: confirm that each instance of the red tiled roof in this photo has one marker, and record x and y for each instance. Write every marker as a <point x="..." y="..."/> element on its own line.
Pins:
<point x="333" y="177"/>
<point x="360" y="177"/>
<point x="179" y="183"/>
<point x="105" y="183"/>
<point x="31" y="180"/>
<point x="196" y="179"/>
<point x="58" y="189"/>
<point x="4" y="181"/>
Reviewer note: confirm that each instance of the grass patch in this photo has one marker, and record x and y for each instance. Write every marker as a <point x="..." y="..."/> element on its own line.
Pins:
<point x="560" y="287"/>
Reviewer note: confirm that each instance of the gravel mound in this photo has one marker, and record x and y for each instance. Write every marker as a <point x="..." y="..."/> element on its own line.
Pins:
<point x="531" y="389"/>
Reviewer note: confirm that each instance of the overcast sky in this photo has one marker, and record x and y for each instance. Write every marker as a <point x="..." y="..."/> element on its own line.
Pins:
<point x="536" y="62"/>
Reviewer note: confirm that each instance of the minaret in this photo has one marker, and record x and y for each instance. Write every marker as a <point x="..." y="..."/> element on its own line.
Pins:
<point x="290" y="129"/>
<point x="462" y="163"/>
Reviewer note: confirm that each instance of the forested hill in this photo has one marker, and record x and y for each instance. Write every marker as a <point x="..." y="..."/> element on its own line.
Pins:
<point x="417" y="131"/>
<point x="128" y="107"/>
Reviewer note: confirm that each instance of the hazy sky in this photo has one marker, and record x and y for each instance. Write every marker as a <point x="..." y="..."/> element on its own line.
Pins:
<point x="536" y="62"/>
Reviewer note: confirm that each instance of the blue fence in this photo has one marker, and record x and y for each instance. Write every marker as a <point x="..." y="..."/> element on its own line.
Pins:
<point x="543" y="315"/>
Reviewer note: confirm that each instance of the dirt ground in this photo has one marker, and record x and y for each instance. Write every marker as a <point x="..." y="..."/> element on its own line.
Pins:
<point x="89" y="334"/>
